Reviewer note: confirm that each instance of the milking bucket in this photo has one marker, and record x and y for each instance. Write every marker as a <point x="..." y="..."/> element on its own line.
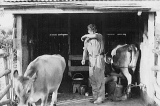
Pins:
<point x="77" y="81"/>
<point x="118" y="90"/>
<point x="82" y="89"/>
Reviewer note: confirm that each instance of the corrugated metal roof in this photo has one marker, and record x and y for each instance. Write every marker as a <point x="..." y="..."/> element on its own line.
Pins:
<point x="85" y="6"/>
<point x="68" y="0"/>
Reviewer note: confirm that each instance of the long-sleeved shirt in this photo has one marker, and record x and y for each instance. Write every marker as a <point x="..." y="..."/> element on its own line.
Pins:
<point x="95" y="48"/>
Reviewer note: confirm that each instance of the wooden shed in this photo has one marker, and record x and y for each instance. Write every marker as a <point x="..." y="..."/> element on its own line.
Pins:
<point x="56" y="26"/>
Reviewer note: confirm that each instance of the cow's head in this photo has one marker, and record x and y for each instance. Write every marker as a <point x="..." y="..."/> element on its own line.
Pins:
<point x="108" y="59"/>
<point x="23" y="88"/>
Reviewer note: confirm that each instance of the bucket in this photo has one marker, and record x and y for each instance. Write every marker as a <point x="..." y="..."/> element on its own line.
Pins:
<point x="82" y="89"/>
<point x="77" y="81"/>
<point x="77" y="77"/>
<point x="118" y="90"/>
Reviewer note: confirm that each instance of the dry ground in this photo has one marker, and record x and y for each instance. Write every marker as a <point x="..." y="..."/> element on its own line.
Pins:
<point x="80" y="100"/>
<point x="131" y="102"/>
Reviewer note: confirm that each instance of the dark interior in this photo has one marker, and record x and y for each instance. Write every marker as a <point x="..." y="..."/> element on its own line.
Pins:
<point x="49" y="34"/>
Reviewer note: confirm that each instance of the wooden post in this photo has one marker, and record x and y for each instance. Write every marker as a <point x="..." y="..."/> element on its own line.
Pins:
<point x="7" y="77"/>
<point x="8" y="101"/>
<point x="69" y="44"/>
<point x="104" y="29"/>
<point x="19" y="43"/>
<point x="4" y="72"/>
<point x="69" y="33"/>
<point x="151" y="29"/>
<point x="25" y="52"/>
<point x="147" y="59"/>
<point x="4" y="91"/>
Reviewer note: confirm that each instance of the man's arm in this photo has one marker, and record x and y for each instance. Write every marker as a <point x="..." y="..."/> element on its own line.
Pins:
<point x="90" y="36"/>
<point x="84" y="55"/>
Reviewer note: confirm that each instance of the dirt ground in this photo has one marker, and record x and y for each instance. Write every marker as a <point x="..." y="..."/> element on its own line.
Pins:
<point x="67" y="98"/>
<point x="80" y="100"/>
<point x="130" y="102"/>
<point x="86" y="102"/>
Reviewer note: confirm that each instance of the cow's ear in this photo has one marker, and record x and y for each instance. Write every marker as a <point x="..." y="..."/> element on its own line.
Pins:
<point x="15" y="74"/>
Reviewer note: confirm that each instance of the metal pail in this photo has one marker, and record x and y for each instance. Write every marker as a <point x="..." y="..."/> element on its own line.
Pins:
<point x="82" y="89"/>
<point x="77" y="77"/>
<point x="118" y="90"/>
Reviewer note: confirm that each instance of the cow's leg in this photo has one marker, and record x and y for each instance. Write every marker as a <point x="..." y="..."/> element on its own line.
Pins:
<point x="31" y="104"/>
<point x="126" y="73"/>
<point x="54" y="98"/>
<point x="44" y="99"/>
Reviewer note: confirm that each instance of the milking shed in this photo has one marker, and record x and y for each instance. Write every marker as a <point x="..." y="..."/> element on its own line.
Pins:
<point x="56" y="26"/>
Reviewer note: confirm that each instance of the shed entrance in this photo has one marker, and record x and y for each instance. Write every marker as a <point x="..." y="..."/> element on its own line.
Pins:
<point x="61" y="33"/>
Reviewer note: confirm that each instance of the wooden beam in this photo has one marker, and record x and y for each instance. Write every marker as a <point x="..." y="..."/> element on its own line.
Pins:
<point x="69" y="34"/>
<point x="4" y="102"/>
<point x="151" y="29"/>
<point x="7" y="76"/>
<point x="150" y="54"/>
<point x="76" y="57"/>
<point x="4" y="72"/>
<point x="4" y="91"/>
<point x="79" y="68"/>
<point x="19" y="43"/>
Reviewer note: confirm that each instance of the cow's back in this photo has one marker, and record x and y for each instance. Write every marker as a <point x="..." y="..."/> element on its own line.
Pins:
<point x="49" y="72"/>
<point x="126" y="56"/>
<point x="122" y="57"/>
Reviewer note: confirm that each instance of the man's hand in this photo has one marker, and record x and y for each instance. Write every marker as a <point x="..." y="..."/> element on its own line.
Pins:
<point x="83" y="62"/>
<point x="83" y="38"/>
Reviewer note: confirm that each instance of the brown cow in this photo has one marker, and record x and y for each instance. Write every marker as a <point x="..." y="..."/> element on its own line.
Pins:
<point x="43" y="76"/>
<point x="124" y="58"/>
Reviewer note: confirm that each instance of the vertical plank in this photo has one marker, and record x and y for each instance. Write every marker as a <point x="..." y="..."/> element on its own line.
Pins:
<point x="14" y="55"/>
<point x="147" y="58"/>
<point x="69" y="34"/>
<point x="25" y="53"/>
<point x="103" y="29"/>
<point x="7" y="77"/>
<point x="19" y="43"/>
<point x="69" y="43"/>
<point x="151" y="29"/>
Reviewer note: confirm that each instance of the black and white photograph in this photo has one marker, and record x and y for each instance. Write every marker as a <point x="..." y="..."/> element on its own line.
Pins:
<point x="79" y="52"/>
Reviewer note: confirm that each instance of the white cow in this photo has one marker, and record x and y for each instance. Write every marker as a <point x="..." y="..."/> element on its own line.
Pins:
<point x="43" y="76"/>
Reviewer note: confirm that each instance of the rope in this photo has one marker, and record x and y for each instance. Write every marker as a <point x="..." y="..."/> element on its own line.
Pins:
<point x="126" y="67"/>
<point x="132" y="85"/>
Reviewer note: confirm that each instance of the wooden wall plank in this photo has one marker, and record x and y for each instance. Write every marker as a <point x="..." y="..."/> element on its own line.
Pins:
<point x="76" y="57"/>
<point x="19" y="43"/>
<point x="4" y="102"/>
<point x="78" y="68"/>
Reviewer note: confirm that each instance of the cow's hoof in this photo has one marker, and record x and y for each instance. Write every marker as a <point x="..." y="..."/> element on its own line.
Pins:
<point x="129" y="95"/>
<point x="98" y="102"/>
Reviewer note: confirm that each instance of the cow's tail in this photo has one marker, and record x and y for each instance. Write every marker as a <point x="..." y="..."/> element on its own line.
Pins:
<point x="134" y="56"/>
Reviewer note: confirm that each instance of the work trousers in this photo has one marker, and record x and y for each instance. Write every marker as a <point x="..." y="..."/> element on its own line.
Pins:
<point x="97" y="81"/>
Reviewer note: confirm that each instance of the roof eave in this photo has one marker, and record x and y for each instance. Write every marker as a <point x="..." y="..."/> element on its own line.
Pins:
<point x="93" y="5"/>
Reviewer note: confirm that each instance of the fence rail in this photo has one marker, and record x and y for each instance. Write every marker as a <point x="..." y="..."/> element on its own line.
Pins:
<point x="6" y="56"/>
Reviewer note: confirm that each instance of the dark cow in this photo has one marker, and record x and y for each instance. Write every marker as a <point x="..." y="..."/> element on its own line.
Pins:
<point x="124" y="58"/>
<point x="43" y="76"/>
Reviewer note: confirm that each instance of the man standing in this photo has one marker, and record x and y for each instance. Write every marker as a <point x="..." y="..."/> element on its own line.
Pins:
<point x="94" y="45"/>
